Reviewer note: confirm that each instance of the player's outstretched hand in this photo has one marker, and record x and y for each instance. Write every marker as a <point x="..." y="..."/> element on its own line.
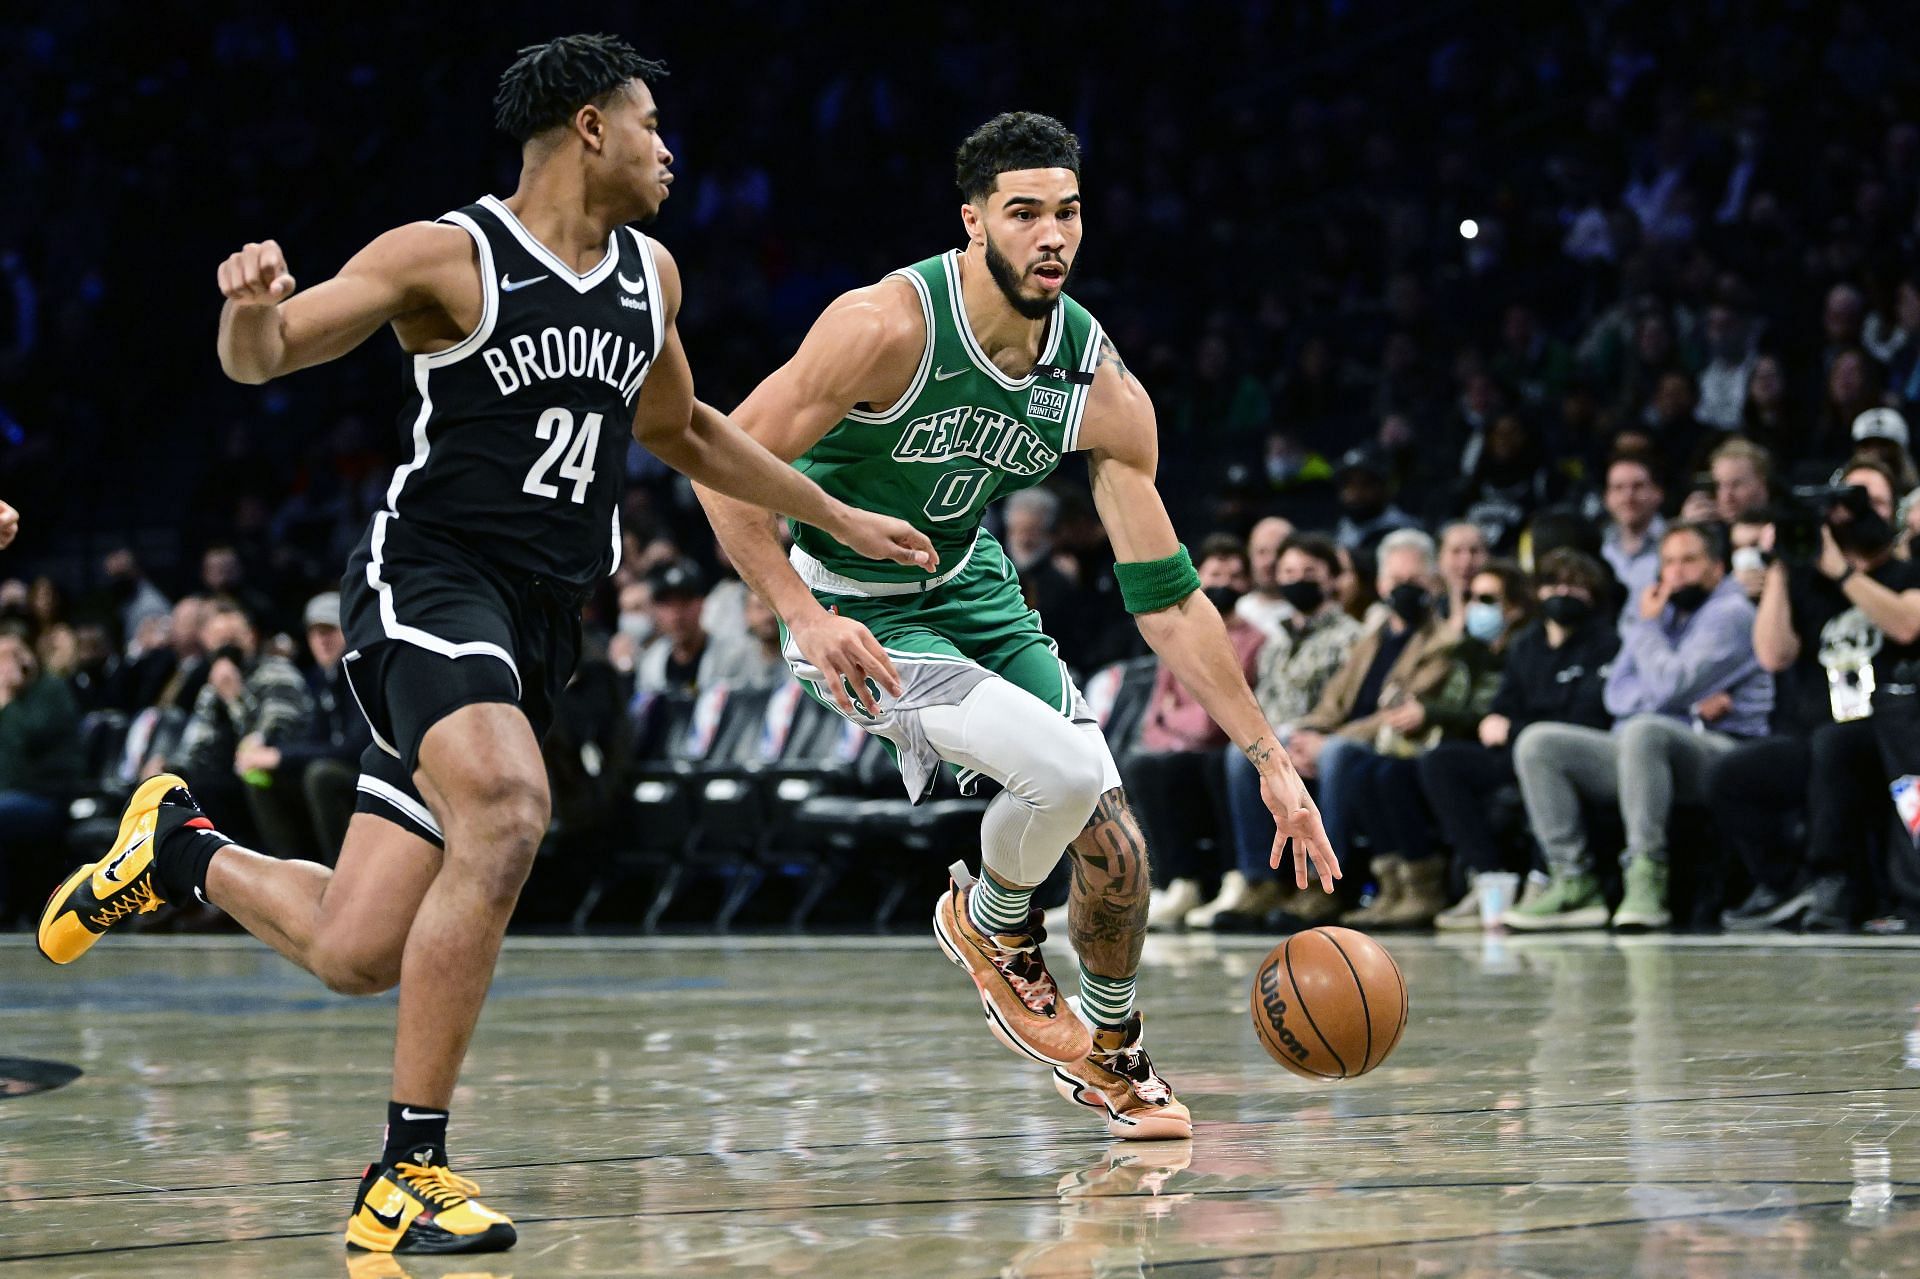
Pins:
<point x="256" y="276"/>
<point x="9" y="525"/>
<point x="1296" y="818"/>
<point x="881" y="537"/>
<point x="848" y="655"/>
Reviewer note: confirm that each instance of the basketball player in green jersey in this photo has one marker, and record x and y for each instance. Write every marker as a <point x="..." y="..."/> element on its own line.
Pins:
<point x="925" y="396"/>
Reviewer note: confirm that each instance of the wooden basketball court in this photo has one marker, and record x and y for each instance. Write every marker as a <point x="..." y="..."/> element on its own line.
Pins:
<point x="779" y="1106"/>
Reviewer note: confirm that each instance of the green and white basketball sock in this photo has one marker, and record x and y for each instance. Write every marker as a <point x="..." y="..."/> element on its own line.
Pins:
<point x="995" y="908"/>
<point x="1108" y="1001"/>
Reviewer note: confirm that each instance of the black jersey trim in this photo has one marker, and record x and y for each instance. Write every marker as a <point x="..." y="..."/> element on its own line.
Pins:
<point x="566" y="274"/>
<point x="919" y="383"/>
<point x="1089" y="361"/>
<point x="489" y="299"/>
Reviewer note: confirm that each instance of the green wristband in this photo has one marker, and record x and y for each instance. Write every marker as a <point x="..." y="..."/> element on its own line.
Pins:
<point x="1147" y="586"/>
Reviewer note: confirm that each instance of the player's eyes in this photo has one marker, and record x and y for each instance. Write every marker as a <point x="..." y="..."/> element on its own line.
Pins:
<point x="1068" y="215"/>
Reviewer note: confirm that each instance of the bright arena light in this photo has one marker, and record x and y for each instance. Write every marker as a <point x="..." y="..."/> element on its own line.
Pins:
<point x="1469" y="229"/>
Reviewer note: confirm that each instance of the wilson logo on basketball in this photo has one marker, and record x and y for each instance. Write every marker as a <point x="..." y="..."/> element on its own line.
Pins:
<point x="1277" y="1011"/>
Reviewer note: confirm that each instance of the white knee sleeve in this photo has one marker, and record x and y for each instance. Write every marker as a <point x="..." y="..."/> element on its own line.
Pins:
<point x="1052" y="773"/>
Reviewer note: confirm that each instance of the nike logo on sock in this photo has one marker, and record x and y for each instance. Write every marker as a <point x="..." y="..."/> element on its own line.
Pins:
<point x="411" y="1115"/>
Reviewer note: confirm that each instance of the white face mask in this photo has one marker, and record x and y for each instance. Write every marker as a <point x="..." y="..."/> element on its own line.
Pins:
<point x="1749" y="559"/>
<point x="638" y="625"/>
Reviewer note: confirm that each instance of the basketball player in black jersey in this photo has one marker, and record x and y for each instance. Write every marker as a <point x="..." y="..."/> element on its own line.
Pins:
<point x="536" y="328"/>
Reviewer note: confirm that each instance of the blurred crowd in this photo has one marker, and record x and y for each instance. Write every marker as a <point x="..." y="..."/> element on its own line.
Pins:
<point x="1537" y="395"/>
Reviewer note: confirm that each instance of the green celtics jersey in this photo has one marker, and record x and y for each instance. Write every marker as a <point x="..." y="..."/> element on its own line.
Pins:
<point x="963" y="433"/>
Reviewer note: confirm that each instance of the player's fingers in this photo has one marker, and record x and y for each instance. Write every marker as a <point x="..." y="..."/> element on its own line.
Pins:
<point x="250" y="266"/>
<point x="836" y="684"/>
<point x="224" y="277"/>
<point x="880" y="666"/>
<point x="282" y="285"/>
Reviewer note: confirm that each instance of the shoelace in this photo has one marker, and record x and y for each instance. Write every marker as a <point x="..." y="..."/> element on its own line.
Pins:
<point x="138" y="899"/>
<point x="1023" y="967"/>
<point x="1133" y="1065"/>
<point x="437" y="1184"/>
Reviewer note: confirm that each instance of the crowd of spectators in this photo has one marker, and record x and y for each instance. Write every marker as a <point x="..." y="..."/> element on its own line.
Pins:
<point x="1489" y="358"/>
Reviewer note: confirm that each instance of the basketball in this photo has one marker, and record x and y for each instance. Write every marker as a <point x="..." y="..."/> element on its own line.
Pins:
<point x="1329" y="1003"/>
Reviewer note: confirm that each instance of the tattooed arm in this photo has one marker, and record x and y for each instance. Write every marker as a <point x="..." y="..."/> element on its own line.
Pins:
<point x="1107" y="910"/>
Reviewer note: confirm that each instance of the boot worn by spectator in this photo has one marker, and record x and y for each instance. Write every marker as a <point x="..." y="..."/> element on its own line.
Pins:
<point x="1390" y="875"/>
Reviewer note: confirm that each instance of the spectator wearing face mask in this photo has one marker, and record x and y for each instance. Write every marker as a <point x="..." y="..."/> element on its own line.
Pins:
<point x="1834" y="632"/>
<point x="1265" y="607"/>
<point x="1375" y="698"/>
<point x="1178" y="760"/>
<point x="1555" y="672"/>
<point x="1463" y="553"/>
<point x="1685" y="689"/>
<point x="1392" y="812"/>
<point x="1295" y="666"/>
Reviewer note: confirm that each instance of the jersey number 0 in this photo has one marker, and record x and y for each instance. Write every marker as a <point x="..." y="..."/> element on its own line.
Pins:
<point x="557" y="425"/>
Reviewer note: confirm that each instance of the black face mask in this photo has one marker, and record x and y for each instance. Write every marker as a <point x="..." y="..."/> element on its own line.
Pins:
<point x="1410" y="602"/>
<point x="1569" y="611"/>
<point x="1305" y="597"/>
<point x="1222" y="598"/>
<point x="1688" y="599"/>
<point x="1864" y="535"/>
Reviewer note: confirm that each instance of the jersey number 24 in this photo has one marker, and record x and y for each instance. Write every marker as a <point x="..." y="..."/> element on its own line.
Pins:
<point x="557" y="425"/>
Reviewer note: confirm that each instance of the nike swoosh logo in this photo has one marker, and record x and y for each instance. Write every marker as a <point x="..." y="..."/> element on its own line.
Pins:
<point x="941" y="375"/>
<point x="407" y="1114"/>
<point x="509" y="285"/>
<point x="110" y="872"/>
<point x="390" y="1220"/>
<point x="632" y="286"/>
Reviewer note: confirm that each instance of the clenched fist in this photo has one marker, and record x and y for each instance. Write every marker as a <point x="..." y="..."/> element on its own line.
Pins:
<point x="256" y="276"/>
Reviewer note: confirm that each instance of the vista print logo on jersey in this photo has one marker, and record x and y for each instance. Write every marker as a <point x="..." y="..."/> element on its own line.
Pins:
<point x="574" y="352"/>
<point x="1047" y="404"/>
<point x="979" y="434"/>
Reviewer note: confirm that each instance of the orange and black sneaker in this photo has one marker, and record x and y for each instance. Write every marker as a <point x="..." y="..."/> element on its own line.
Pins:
<point x="121" y="884"/>
<point x="1118" y="1080"/>
<point x="1023" y="1004"/>
<point x="424" y="1208"/>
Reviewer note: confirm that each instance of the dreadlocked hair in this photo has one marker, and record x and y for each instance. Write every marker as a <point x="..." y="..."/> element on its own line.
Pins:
<point x="1011" y="141"/>
<point x="548" y="83"/>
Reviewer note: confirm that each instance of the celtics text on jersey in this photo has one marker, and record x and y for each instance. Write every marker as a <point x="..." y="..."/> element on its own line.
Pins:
<point x="962" y="434"/>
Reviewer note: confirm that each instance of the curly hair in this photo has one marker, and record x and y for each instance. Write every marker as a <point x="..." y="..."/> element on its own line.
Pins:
<point x="1010" y="141"/>
<point x="548" y="83"/>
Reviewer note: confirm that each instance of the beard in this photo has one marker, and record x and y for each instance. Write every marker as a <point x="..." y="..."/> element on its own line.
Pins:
<point x="1009" y="281"/>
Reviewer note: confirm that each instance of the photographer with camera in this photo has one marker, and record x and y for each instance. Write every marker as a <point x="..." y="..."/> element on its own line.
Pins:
<point x="1837" y="612"/>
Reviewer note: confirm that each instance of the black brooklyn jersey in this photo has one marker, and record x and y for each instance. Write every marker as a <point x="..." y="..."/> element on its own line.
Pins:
<point x="520" y="431"/>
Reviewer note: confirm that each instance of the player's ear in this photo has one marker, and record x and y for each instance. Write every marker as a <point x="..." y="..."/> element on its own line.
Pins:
<point x="591" y="126"/>
<point x="973" y="220"/>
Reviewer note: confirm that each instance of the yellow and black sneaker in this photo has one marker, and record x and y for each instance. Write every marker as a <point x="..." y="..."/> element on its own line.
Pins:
<point x="423" y="1208"/>
<point x="121" y="884"/>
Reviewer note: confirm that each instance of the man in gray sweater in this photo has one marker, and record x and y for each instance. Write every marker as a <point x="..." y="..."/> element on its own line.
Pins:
<point x="1685" y="688"/>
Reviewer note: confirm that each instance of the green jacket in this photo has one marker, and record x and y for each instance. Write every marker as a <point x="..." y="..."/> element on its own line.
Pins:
<point x="1459" y="702"/>
<point x="40" y="739"/>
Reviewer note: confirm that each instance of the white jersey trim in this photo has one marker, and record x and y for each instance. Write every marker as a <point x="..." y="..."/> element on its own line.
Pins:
<point x="1070" y="438"/>
<point x="489" y="299"/>
<point x="394" y="628"/>
<point x="919" y="383"/>
<point x="656" y="296"/>
<point x="378" y="740"/>
<point x="401" y="800"/>
<point x="1056" y="325"/>
<point x="566" y="274"/>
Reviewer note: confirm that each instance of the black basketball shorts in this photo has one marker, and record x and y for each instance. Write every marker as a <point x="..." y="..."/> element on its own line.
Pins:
<point x="430" y="630"/>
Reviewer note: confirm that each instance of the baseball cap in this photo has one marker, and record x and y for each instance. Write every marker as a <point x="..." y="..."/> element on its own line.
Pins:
<point x="1365" y="459"/>
<point x="677" y="579"/>
<point x="1881" y="424"/>
<point x="324" y="610"/>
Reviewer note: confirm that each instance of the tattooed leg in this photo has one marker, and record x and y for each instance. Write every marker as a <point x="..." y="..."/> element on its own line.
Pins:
<point x="1107" y="907"/>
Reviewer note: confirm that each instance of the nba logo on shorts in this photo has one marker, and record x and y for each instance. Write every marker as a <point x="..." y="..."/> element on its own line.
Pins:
<point x="1047" y="404"/>
<point x="1906" y="802"/>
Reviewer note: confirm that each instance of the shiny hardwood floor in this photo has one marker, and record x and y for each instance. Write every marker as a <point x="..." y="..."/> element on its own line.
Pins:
<point x="1663" y="1107"/>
